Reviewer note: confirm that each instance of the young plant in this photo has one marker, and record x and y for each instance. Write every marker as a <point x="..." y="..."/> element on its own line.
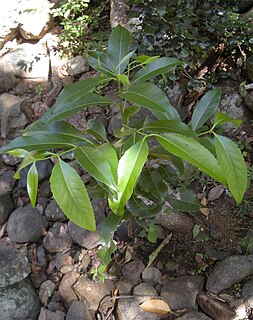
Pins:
<point x="123" y="167"/>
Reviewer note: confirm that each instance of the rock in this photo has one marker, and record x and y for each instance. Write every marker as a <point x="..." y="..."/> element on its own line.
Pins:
<point x="37" y="278"/>
<point x="13" y="120"/>
<point x="19" y="301"/>
<point x="92" y="291"/>
<point x="11" y="160"/>
<point x="41" y="257"/>
<point x="9" y="21"/>
<point x="118" y="13"/>
<point x="46" y="291"/>
<point x="85" y="238"/>
<point x="66" y="290"/>
<point x="194" y="315"/>
<point x="35" y="20"/>
<point x="129" y="309"/>
<point x="230" y="271"/>
<point x="247" y="292"/>
<point x="171" y="265"/>
<point x="26" y="224"/>
<point x="7" y="79"/>
<point x="6" y="206"/>
<point x="27" y="61"/>
<point x="46" y="314"/>
<point x="215" y="232"/>
<point x="177" y="222"/>
<point x="45" y="190"/>
<point x="181" y="292"/>
<point x="151" y="275"/>
<point x="6" y="180"/>
<point x="57" y="238"/>
<point x="54" y="213"/>
<point x="144" y="291"/>
<point x="212" y="252"/>
<point x="215" y="308"/>
<point x="44" y="168"/>
<point x="77" y="66"/>
<point x="78" y="311"/>
<point x="124" y="287"/>
<point x="14" y="265"/>
<point x="132" y="270"/>
<point x="114" y="123"/>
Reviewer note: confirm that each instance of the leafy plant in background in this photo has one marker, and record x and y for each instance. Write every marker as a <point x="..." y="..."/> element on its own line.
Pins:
<point x="123" y="169"/>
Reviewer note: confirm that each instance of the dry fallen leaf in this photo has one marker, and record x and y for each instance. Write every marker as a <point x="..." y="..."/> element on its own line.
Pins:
<point x="215" y="193"/>
<point x="204" y="211"/>
<point x="155" y="306"/>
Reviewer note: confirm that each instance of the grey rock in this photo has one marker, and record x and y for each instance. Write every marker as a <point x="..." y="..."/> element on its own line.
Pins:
<point x="46" y="314"/>
<point x="6" y="206"/>
<point x="45" y="190"/>
<point x="77" y="66"/>
<point x="118" y="13"/>
<point x="54" y="213"/>
<point x="44" y="168"/>
<point x="66" y="290"/>
<point x="92" y="291"/>
<point x="194" y="315"/>
<point x="11" y="160"/>
<point x="151" y="275"/>
<point x="181" y="292"/>
<point x="171" y="265"/>
<point x="14" y="265"/>
<point x="114" y="123"/>
<point x="46" y="291"/>
<point x="215" y="232"/>
<point x="57" y="238"/>
<point x="7" y="79"/>
<point x="26" y="224"/>
<point x="78" y="311"/>
<point x="129" y="309"/>
<point x="215" y="253"/>
<point x="215" y="308"/>
<point x="9" y="21"/>
<point x="19" y="302"/>
<point x="177" y="222"/>
<point x="230" y="271"/>
<point x="132" y="270"/>
<point x="247" y="292"/>
<point x="124" y="287"/>
<point x="6" y="180"/>
<point x="144" y="291"/>
<point x="37" y="278"/>
<point x="41" y="257"/>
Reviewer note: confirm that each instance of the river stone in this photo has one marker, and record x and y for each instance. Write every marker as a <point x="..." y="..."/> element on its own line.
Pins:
<point x="132" y="270"/>
<point x="181" y="292"/>
<point x="66" y="290"/>
<point x="14" y="265"/>
<point x="151" y="275"/>
<point x="230" y="271"/>
<point x="6" y="179"/>
<point x="144" y="291"/>
<point x="19" y="302"/>
<point x="6" y="206"/>
<point x="57" y="238"/>
<point x="247" y="292"/>
<point x="54" y="213"/>
<point x="92" y="291"/>
<point x="7" y="79"/>
<point x="46" y="314"/>
<point x="26" y="224"/>
<point x="129" y="309"/>
<point x="46" y="291"/>
<point x="177" y="222"/>
<point x="78" y="311"/>
<point x="77" y="66"/>
<point x="194" y="315"/>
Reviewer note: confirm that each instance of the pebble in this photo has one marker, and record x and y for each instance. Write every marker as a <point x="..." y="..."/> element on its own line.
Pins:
<point x="66" y="290"/>
<point x="132" y="270"/>
<point x="46" y="314"/>
<point x="78" y="311"/>
<point x="57" y="238"/>
<point x="177" y="222"/>
<point x="215" y="232"/>
<point x="151" y="275"/>
<point x="46" y="291"/>
<point x="54" y="213"/>
<point x="247" y="292"/>
<point x="144" y="291"/>
<point x="194" y="315"/>
<point x="6" y="206"/>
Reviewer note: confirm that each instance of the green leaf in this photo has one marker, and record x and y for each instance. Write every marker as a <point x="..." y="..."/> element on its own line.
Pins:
<point x="123" y="79"/>
<point x="100" y="62"/>
<point x="152" y="234"/>
<point x="196" y="230"/>
<point x="95" y="162"/>
<point x="153" y="98"/>
<point x="192" y="151"/>
<point x="32" y="183"/>
<point x="161" y="65"/>
<point x="143" y="59"/>
<point x="233" y="166"/>
<point x="110" y="155"/>
<point x="129" y="169"/>
<point x="71" y="195"/>
<point x="221" y="118"/>
<point x="124" y="62"/>
<point x="164" y="126"/>
<point x="105" y="253"/>
<point x="188" y="202"/>
<point x="142" y="210"/>
<point x="96" y="129"/>
<point x="19" y="153"/>
<point x="118" y="48"/>
<point x="205" y="108"/>
<point x="151" y="181"/>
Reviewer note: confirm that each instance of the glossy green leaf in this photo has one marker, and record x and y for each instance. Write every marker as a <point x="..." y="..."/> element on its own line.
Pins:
<point x="140" y="209"/>
<point x="110" y="155"/>
<point x="159" y="66"/>
<point x="19" y="153"/>
<point x="233" y="166"/>
<point x="153" y="98"/>
<point x="95" y="190"/>
<point x="205" y="108"/>
<point x="96" y="129"/>
<point x="32" y="183"/>
<point x="192" y="151"/>
<point x="71" y="196"/>
<point x="221" y="118"/>
<point x="106" y="252"/>
<point x="95" y="162"/>
<point x="129" y="169"/>
<point x="124" y="62"/>
<point x="151" y="181"/>
<point x="143" y="59"/>
<point x="188" y="202"/>
<point x="152" y="234"/>
<point x="123" y="79"/>
<point x="100" y="62"/>
<point x="118" y="48"/>
<point x="165" y="126"/>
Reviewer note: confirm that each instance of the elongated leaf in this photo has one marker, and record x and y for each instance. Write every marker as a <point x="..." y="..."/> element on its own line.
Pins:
<point x="19" y="153"/>
<point x="151" y="181"/>
<point x="100" y="62"/>
<point x="221" y="118"/>
<point x="153" y="98"/>
<point x="32" y="183"/>
<point x="233" y="166"/>
<point x="205" y="108"/>
<point x="161" y="65"/>
<point x="129" y="169"/>
<point x="106" y="252"/>
<point x="73" y="107"/>
<point x="123" y="63"/>
<point x="71" y="195"/>
<point x="165" y="126"/>
<point x="118" y="48"/>
<point x="110" y="155"/>
<point x="156" y="306"/>
<point x="95" y="162"/>
<point x="96" y="128"/>
<point x="190" y="150"/>
<point x="141" y="210"/>
<point x="188" y="202"/>
<point x="143" y="59"/>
